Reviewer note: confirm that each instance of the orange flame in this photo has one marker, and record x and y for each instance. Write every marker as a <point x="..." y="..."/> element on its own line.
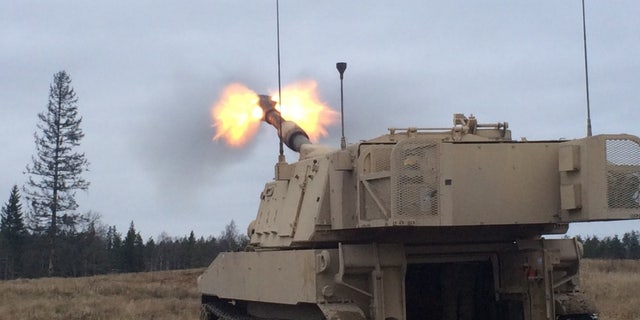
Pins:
<point x="237" y="115"/>
<point x="302" y="105"/>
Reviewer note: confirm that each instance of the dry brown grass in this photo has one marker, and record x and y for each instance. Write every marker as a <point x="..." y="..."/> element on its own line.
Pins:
<point x="613" y="284"/>
<point x="155" y="295"/>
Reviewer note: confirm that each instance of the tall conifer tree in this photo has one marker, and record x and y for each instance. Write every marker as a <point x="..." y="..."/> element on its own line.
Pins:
<point x="56" y="169"/>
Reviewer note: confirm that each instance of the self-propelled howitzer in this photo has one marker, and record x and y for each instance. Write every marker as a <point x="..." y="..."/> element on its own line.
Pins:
<point x="424" y="223"/>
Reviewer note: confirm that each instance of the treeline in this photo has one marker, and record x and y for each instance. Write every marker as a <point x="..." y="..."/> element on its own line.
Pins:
<point x="89" y="247"/>
<point x="627" y="247"/>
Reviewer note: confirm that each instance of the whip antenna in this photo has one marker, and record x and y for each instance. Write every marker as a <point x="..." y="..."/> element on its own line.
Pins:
<point x="281" y="155"/>
<point x="342" y="66"/>
<point x="586" y="70"/>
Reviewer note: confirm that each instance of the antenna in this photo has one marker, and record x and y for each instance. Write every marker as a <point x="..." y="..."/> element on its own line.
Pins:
<point x="586" y="71"/>
<point x="281" y="154"/>
<point x="342" y="66"/>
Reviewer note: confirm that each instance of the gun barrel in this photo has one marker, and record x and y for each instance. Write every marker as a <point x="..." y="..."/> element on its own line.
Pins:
<point x="291" y="134"/>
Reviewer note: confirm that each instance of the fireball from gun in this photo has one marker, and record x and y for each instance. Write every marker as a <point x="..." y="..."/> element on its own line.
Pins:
<point x="238" y="113"/>
<point x="289" y="132"/>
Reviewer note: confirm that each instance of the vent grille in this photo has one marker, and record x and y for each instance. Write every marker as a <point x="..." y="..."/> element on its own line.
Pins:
<point x="378" y="159"/>
<point x="414" y="179"/>
<point x="623" y="174"/>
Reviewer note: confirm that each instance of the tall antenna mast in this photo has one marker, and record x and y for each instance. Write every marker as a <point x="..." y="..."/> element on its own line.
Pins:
<point x="586" y="70"/>
<point x="281" y="154"/>
<point x="342" y="66"/>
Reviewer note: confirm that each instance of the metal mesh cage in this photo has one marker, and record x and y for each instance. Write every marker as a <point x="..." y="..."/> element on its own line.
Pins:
<point x="623" y="174"/>
<point x="414" y="179"/>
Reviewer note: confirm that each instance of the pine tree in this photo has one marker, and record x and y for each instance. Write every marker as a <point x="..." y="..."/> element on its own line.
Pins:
<point x="138" y="253"/>
<point x="150" y="255"/>
<point x="114" y="249"/>
<point x="187" y="249"/>
<point x="133" y="251"/>
<point x="614" y="248"/>
<point x="12" y="232"/>
<point x="55" y="174"/>
<point x="631" y="242"/>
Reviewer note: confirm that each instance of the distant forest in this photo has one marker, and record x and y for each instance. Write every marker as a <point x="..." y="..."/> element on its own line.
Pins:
<point x="627" y="247"/>
<point x="88" y="247"/>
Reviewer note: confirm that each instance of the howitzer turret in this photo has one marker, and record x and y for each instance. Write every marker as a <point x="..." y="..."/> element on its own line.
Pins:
<point x="425" y="223"/>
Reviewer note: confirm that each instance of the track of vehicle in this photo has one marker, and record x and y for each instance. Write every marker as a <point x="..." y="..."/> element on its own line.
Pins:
<point x="217" y="309"/>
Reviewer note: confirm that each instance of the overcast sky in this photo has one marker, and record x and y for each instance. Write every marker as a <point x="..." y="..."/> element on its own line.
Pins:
<point x="147" y="72"/>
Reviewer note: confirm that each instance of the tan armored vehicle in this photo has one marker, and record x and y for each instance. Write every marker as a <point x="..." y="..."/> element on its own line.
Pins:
<point x="424" y="224"/>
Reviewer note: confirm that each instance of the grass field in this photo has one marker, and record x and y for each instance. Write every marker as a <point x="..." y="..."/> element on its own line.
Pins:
<point x="613" y="285"/>
<point x="173" y="294"/>
<point x="155" y="295"/>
